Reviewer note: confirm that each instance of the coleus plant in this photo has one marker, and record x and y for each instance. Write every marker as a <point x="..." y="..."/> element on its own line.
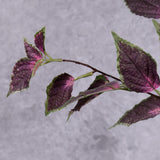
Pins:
<point x="137" y="69"/>
<point x="146" y="8"/>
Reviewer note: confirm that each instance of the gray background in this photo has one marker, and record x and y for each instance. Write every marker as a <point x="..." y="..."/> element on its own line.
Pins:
<point x="79" y="30"/>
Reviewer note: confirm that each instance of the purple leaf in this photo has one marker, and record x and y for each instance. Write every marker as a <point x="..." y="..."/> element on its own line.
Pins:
<point x="146" y="8"/>
<point x="157" y="26"/>
<point x="146" y="109"/>
<point x="22" y="72"/>
<point x="103" y="88"/>
<point x="58" y="92"/>
<point x="39" y="38"/>
<point x="25" y="68"/>
<point x="138" y="70"/>
<point x="32" y="52"/>
<point x="99" y="81"/>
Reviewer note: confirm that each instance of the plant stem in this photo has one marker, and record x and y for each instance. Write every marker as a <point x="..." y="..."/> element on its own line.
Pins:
<point x="80" y="63"/>
<point x="46" y="54"/>
<point x="51" y="60"/>
<point x="88" y="74"/>
<point x="85" y="75"/>
<point x="153" y="95"/>
<point x="94" y="69"/>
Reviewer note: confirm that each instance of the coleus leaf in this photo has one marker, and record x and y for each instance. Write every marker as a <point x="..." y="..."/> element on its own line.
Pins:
<point x="157" y="26"/>
<point x="100" y="80"/>
<point x="39" y="38"/>
<point x="25" y="68"/>
<point x="31" y="51"/>
<point x="58" y="92"/>
<point x="137" y="69"/>
<point x="146" y="109"/>
<point x="146" y="8"/>
<point x="22" y="73"/>
<point x="107" y="87"/>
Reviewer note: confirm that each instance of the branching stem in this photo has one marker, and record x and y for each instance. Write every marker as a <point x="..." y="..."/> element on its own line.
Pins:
<point x="85" y="75"/>
<point x="94" y="69"/>
<point x="80" y="63"/>
<point x="89" y="74"/>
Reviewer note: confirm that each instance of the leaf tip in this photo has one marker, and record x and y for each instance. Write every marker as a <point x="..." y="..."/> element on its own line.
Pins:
<point x="9" y="92"/>
<point x="119" y="123"/>
<point x="46" y="113"/>
<point x="41" y="30"/>
<point x="69" y="115"/>
<point x="24" y="39"/>
<point x="113" y="33"/>
<point x="113" y="125"/>
<point x="115" y="36"/>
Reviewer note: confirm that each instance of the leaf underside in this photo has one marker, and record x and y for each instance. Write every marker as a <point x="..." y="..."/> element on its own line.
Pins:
<point x="58" y="92"/>
<point x="110" y="86"/>
<point x="100" y="80"/>
<point x="137" y="69"/>
<point x="146" y="8"/>
<point x="146" y="109"/>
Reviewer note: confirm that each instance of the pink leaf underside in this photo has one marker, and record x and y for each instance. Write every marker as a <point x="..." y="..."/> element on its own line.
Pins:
<point x="138" y="69"/>
<point x="39" y="40"/>
<point x="32" y="53"/>
<point x="99" y="81"/>
<point x="146" y="109"/>
<point x="103" y="88"/>
<point x="59" y="91"/>
<point x="21" y="75"/>
<point x="146" y="8"/>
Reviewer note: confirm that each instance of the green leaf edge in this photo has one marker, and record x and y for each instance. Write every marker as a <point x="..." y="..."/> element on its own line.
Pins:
<point x="157" y="27"/>
<point x="47" y="91"/>
<point x="73" y="99"/>
<point x="43" y="30"/>
<point x="98" y="77"/>
<point x="126" y="124"/>
<point x="25" y="40"/>
<point x="135" y="13"/>
<point x="11" y="92"/>
<point x="116" y="39"/>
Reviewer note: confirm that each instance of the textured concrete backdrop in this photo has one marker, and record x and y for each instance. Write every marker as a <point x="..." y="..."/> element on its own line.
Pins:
<point x="79" y="30"/>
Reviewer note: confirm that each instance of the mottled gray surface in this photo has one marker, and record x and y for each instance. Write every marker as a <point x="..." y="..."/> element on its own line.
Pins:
<point x="80" y="30"/>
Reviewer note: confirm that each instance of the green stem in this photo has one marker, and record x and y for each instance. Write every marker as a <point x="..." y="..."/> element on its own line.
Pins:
<point x="51" y="60"/>
<point x="46" y="54"/>
<point x="94" y="69"/>
<point x="88" y="74"/>
<point x="85" y="75"/>
<point x="80" y="63"/>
